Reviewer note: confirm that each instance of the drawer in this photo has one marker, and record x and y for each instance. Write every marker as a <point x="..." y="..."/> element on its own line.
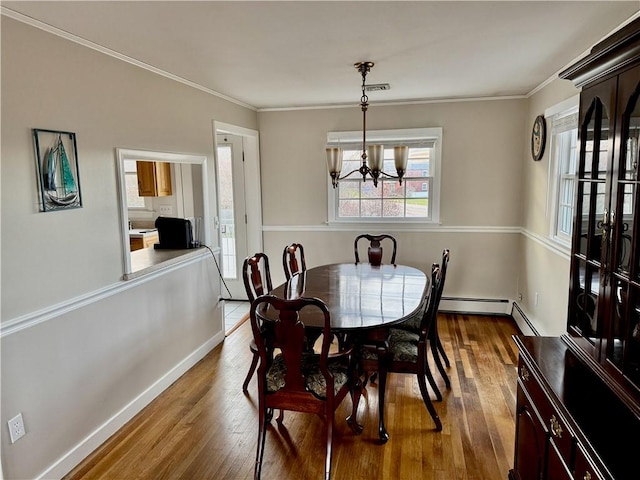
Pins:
<point x="559" y="433"/>
<point x="584" y="467"/>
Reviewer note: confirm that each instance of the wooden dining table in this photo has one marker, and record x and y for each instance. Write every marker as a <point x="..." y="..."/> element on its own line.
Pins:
<point x="364" y="302"/>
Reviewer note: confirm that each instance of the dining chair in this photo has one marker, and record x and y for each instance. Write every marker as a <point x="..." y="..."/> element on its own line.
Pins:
<point x="374" y="251"/>
<point x="257" y="281"/>
<point x="293" y="259"/>
<point x="294" y="379"/>
<point x="412" y="325"/>
<point x="405" y="352"/>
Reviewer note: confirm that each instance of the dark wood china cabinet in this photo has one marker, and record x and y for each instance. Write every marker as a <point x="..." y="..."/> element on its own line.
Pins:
<point x="578" y="399"/>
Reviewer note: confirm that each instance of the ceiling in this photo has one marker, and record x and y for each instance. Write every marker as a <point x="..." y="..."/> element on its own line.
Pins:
<point x="301" y="53"/>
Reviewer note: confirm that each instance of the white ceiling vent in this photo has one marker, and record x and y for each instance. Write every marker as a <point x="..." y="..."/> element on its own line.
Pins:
<point x="376" y="87"/>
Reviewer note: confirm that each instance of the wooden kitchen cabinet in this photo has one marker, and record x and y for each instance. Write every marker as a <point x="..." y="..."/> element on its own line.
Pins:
<point x="154" y="179"/>
<point x="146" y="241"/>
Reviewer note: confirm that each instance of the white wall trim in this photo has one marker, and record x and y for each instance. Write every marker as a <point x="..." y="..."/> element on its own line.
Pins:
<point x="35" y="318"/>
<point x="400" y="227"/>
<point x="112" y="53"/>
<point x="398" y="103"/>
<point x="83" y="449"/>
<point x="546" y="242"/>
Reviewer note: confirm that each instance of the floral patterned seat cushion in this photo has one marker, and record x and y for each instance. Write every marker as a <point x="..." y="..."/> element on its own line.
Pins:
<point x="403" y="347"/>
<point x="314" y="380"/>
<point x="413" y="322"/>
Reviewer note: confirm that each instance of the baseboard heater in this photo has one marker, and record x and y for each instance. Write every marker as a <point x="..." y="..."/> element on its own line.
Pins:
<point x="522" y="321"/>
<point x="490" y="306"/>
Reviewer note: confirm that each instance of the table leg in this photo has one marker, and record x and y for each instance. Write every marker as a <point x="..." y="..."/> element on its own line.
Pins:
<point x="382" y="351"/>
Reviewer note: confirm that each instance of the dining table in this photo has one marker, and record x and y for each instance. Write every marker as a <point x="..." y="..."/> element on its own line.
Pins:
<point x="364" y="301"/>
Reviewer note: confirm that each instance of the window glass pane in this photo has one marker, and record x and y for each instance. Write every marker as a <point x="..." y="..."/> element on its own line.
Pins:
<point x="349" y="208"/>
<point x="584" y="220"/>
<point x="369" y="191"/>
<point x="604" y="144"/>
<point x="131" y="182"/>
<point x="371" y="208"/>
<point x="393" y="208"/>
<point x="351" y="160"/>
<point x="417" y="198"/>
<point x="392" y="189"/>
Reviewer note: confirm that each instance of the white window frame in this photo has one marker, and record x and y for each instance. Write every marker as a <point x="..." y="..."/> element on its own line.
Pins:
<point x="398" y="136"/>
<point x="562" y="110"/>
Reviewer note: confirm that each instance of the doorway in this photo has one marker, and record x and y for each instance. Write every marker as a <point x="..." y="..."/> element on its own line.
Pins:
<point x="239" y="221"/>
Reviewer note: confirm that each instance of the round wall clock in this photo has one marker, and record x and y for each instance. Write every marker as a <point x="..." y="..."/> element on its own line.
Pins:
<point x="538" y="137"/>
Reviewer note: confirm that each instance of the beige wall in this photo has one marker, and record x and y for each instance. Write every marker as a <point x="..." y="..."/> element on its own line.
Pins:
<point x="543" y="266"/>
<point x="82" y="350"/>
<point x="480" y="201"/>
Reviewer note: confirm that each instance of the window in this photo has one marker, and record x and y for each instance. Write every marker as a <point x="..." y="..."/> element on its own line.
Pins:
<point x="131" y="179"/>
<point x="416" y="200"/>
<point x="563" y="121"/>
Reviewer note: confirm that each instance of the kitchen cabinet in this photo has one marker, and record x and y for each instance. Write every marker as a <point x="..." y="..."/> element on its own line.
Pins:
<point x="578" y="395"/>
<point x="143" y="240"/>
<point x="154" y="179"/>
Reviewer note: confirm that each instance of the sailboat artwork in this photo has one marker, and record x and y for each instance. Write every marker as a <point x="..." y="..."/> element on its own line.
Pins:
<point x="59" y="186"/>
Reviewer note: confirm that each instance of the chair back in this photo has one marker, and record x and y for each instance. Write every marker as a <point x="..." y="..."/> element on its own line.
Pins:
<point x="256" y="275"/>
<point x="443" y="267"/>
<point x="276" y="324"/>
<point x="431" y="307"/>
<point x="375" y="248"/>
<point x="293" y="259"/>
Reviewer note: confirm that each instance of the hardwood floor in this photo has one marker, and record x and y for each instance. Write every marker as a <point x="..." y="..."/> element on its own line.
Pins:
<point x="204" y="427"/>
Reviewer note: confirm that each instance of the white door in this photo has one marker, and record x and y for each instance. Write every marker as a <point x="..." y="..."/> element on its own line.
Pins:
<point x="232" y="213"/>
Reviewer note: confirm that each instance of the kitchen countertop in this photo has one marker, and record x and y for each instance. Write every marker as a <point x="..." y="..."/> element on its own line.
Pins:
<point x="142" y="232"/>
<point x="149" y="260"/>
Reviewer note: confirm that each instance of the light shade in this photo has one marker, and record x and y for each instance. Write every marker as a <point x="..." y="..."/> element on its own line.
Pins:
<point x="401" y="157"/>
<point x="334" y="160"/>
<point x="375" y="157"/>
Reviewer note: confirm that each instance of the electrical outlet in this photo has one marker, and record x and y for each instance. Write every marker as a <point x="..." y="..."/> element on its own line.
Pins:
<point x="16" y="428"/>
<point x="166" y="209"/>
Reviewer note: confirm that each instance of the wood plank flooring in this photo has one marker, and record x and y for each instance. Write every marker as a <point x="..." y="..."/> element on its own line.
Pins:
<point x="204" y="427"/>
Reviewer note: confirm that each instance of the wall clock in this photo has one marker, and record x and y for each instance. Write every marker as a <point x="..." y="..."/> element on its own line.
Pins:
<point x="538" y="137"/>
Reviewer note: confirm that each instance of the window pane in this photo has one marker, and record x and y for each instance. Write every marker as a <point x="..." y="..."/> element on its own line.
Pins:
<point x="393" y="208"/>
<point x="133" y="199"/>
<point x="349" y="208"/>
<point x="371" y="208"/>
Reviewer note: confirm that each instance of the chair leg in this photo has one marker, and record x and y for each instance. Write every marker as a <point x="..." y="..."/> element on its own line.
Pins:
<point x="436" y="358"/>
<point x="262" y="434"/>
<point x="427" y="401"/>
<point x="432" y="382"/>
<point x="443" y="353"/>
<point x="327" y="465"/>
<point x="252" y="368"/>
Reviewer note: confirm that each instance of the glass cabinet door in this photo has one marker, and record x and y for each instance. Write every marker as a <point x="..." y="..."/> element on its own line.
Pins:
<point x="623" y="335"/>
<point x="592" y="232"/>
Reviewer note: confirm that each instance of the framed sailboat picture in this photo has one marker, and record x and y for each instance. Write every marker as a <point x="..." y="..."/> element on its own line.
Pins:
<point x="58" y="175"/>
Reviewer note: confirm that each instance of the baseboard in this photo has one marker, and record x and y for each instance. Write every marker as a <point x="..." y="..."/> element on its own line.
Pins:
<point x="78" y="453"/>
<point x="525" y="326"/>
<point x="497" y="306"/>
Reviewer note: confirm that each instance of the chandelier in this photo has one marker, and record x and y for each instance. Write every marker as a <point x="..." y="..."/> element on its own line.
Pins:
<point x="372" y="155"/>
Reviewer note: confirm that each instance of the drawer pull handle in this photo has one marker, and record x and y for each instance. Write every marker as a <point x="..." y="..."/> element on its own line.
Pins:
<point x="524" y="373"/>
<point x="556" y="429"/>
<point x="587" y="476"/>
